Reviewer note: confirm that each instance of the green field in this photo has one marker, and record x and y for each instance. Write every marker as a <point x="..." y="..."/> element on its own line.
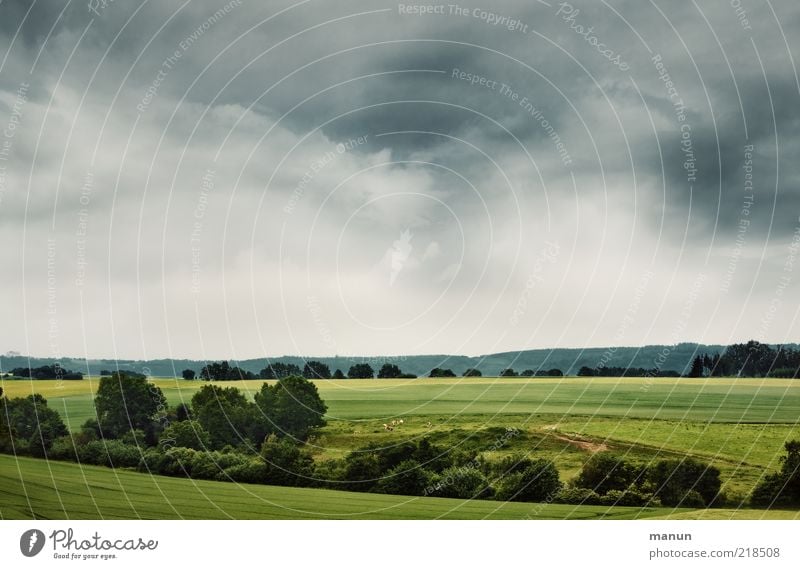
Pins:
<point x="704" y="400"/>
<point x="739" y="425"/>
<point x="62" y="490"/>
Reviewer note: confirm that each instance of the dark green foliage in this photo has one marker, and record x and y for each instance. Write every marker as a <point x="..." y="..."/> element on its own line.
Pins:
<point x="635" y="498"/>
<point x="54" y="371"/>
<point x="202" y="465"/>
<point x="472" y="372"/>
<point x="361" y="371"/>
<point x="614" y="371"/>
<point x="407" y="478"/>
<point x="433" y="457"/>
<point x="183" y="412"/>
<point x="316" y="370"/>
<point x="508" y="372"/>
<point x="361" y="471"/>
<point x="673" y="481"/>
<point x="338" y="374"/>
<point x="188" y="374"/>
<point x="223" y="371"/>
<point x="227" y="416"/>
<point x="126" y="373"/>
<point x="441" y="372"/>
<point x="555" y="372"/>
<point x="781" y="489"/>
<point x="697" y="369"/>
<point x="291" y="407"/>
<point x="253" y="471"/>
<point x="528" y="373"/>
<point x="459" y="482"/>
<point x="189" y="434"/>
<point x="577" y="496"/>
<point x="285" y="464"/>
<point x="6" y="437"/>
<point x="116" y="453"/>
<point x="525" y="480"/>
<point x="112" y="453"/>
<point x="125" y="402"/>
<point x="278" y="370"/>
<point x="752" y="359"/>
<point x="30" y="425"/>
<point x="605" y="472"/>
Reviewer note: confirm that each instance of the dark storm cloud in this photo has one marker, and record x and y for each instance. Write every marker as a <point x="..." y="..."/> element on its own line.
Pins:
<point x="366" y="69"/>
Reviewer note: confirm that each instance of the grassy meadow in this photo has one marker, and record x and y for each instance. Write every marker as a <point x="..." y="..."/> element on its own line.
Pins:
<point x="62" y="490"/>
<point x="738" y="425"/>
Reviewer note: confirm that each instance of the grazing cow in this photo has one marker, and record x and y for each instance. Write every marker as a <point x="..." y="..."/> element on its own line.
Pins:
<point x="388" y="427"/>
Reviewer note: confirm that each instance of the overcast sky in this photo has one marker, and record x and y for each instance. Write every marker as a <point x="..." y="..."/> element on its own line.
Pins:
<point x="213" y="179"/>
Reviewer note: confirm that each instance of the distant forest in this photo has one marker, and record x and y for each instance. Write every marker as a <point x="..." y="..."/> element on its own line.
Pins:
<point x="751" y="359"/>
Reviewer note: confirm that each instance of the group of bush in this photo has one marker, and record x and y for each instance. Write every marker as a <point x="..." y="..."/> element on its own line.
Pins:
<point x="223" y="371"/>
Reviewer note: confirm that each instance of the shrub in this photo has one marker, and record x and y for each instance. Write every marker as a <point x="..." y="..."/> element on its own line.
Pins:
<point x="188" y="434"/>
<point x="110" y="452"/>
<point x="577" y="496"/>
<point x="136" y="437"/>
<point x="30" y="425"/>
<point x="769" y="491"/>
<point x="252" y="472"/>
<point x="529" y="481"/>
<point x="673" y="480"/>
<point x="63" y="448"/>
<point x="604" y="472"/>
<point x="284" y="463"/>
<point x="630" y="497"/>
<point x="781" y="488"/>
<point x="292" y="407"/>
<point x="362" y="470"/>
<point x="459" y="482"/>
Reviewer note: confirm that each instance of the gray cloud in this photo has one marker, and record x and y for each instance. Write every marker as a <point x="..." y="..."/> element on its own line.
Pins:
<point x="297" y="244"/>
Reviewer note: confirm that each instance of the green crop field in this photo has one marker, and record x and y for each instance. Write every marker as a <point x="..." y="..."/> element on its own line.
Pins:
<point x="738" y="425"/>
<point x="39" y="489"/>
<point x="705" y="400"/>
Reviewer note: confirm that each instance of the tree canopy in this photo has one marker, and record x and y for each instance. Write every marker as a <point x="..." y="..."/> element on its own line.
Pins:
<point x="361" y="371"/>
<point x="125" y="402"/>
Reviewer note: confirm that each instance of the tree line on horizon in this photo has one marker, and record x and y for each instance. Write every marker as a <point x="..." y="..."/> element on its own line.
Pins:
<point x="750" y="359"/>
